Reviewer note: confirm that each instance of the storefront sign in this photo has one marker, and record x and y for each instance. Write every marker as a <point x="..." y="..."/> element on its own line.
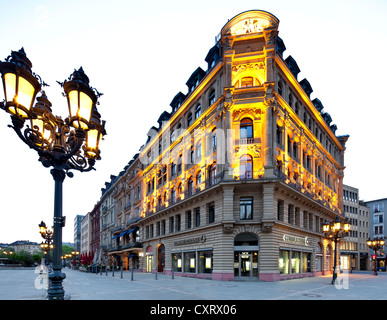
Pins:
<point x="190" y="241"/>
<point x="296" y="240"/>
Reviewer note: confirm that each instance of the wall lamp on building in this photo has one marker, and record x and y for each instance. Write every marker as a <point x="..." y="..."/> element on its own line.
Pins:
<point x="47" y="235"/>
<point x="335" y="231"/>
<point x="377" y="245"/>
<point x="64" y="145"/>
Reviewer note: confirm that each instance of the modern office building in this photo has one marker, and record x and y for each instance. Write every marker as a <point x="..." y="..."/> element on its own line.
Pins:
<point x="354" y="249"/>
<point x="77" y="232"/>
<point x="378" y="225"/>
<point x="238" y="178"/>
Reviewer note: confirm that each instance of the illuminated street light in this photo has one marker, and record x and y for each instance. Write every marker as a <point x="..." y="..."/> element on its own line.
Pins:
<point x="376" y="244"/>
<point x="64" y="145"/>
<point x="336" y="230"/>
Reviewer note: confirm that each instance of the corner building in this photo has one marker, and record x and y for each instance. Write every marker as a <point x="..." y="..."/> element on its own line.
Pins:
<point x="240" y="175"/>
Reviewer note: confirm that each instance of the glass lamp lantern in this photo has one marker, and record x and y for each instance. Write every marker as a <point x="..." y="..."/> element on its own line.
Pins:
<point x="81" y="99"/>
<point x="19" y="83"/>
<point x="42" y="228"/>
<point x="94" y="136"/>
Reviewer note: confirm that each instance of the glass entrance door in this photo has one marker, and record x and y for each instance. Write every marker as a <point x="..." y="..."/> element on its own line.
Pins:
<point x="246" y="264"/>
<point x="149" y="263"/>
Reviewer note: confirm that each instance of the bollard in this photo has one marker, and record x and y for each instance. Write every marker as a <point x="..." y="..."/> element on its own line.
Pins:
<point x="121" y="272"/>
<point x="173" y="274"/>
<point x="113" y="270"/>
<point x="156" y="275"/>
<point x="132" y="274"/>
<point x="106" y="269"/>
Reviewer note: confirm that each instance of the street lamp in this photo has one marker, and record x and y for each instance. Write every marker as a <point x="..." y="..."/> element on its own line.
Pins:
<point x="335" y="230"/>
<point x="47" y="234"/>
<point x="375" y="244"/>
<point x="64" y="145"/>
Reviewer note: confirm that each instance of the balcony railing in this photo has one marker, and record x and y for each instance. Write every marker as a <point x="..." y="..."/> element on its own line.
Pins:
<point x="244" y="176"/>
<point x="126" y="246"/>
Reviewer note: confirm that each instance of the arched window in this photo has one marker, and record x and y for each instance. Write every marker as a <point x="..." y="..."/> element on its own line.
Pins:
<point x="190" y="186"/>
<point x="198" y="178"/>
<point x="213" y="138"/>
<point x="179" y="189"/>
<point x="173" y="195"/>
<point x="189" y="119"/>
<point x="212" y="174"/>
<point x="191" y="155"/>
<point x="246" y="128"/>
<point x="211" y="97"/>
<point x="246" y="167"/>
<point x="247" y="82"/>
<point x="280" y="87"/>
<point x="198" y="111"/>
<point x="199" y="150"/>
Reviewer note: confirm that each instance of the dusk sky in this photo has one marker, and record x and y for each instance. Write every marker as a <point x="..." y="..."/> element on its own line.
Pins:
<point x="140" y="55"/>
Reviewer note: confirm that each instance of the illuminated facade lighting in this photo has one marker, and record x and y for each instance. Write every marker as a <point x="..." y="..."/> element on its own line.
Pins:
<point x="237" y="179"/>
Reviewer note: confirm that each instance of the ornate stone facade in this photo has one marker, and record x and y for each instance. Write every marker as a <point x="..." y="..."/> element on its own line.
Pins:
<point x="237" y="180"/>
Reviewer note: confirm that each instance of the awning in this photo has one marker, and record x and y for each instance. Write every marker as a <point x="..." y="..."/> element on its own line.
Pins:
<point x="123" y="233"/>
<point x="131" y="230"/>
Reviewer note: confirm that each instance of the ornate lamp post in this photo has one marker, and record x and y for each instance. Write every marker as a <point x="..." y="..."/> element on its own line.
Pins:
<point x="47" y="234"/>
<point x="375" y="244"/>
<point x="335" y="231"/>
<point x="64" y="145"/>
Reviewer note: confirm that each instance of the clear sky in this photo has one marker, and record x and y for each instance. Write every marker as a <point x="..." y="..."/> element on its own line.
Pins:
<point x="140" y="55"/>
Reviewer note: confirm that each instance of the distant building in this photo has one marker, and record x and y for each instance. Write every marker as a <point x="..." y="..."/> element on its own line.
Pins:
<point x="25" y="245"/>
<point x="77" y="232"/>
<point x="378" y="224"/>
<point x="354" y="249"/>
<point x="85" y="235"/>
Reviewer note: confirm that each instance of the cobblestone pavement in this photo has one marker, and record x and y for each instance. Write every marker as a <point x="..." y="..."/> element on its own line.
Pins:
<point x="26" y="284"/>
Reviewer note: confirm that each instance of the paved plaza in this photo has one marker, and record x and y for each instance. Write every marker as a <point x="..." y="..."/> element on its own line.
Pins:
<point x="26" y="284"/>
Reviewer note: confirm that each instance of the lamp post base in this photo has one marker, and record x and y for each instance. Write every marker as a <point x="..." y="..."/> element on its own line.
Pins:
<point x="56" y="291"/>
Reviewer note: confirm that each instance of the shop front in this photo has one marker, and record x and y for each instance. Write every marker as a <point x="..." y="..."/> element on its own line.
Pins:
<point x="295" y="257"/>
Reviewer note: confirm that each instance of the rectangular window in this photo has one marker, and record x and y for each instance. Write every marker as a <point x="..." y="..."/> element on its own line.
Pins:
<point x="189" y="219"/>
<point x="162" y="227"/>
<point x="197" y="217"/>
<point x="189" y="262"/>
<point x="246" y="208"/>
<point x="171" y="225"/>
<point x="205" y="261"/>
<point x="177" y="262"/>
<point x="211" y="213"/>
<point x="283" y="261"/>
<point x="178" y="222"/>
<point x="296" y="262"/>
<point x="280" y="210"/>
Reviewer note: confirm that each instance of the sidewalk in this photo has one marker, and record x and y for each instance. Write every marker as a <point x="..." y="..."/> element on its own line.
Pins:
<point x="25" y="284"/>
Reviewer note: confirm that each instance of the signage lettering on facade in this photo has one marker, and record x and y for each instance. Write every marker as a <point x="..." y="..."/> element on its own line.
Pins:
<point x="190" y="241"/>
<point x="297" y="240"/>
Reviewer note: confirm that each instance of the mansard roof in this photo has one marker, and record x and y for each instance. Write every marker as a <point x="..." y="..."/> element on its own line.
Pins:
<point x="195" y="78"/>
<point x="292" y="65"/>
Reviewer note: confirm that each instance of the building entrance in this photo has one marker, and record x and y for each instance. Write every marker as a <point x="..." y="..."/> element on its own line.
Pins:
<point x="246" y="256"/>
<point x="161" y="258"/>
